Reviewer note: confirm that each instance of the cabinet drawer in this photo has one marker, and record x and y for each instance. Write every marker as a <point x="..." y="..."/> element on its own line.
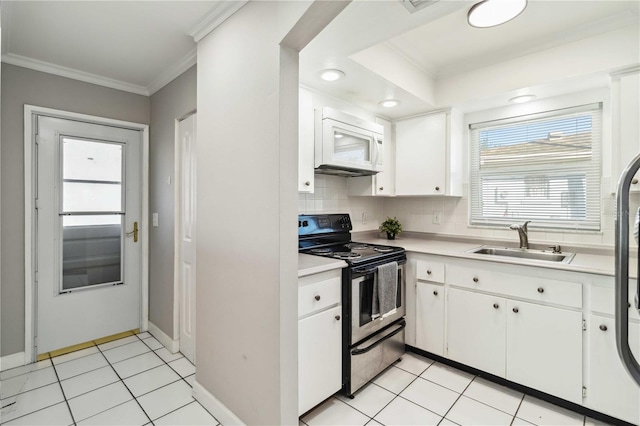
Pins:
<point x="603" y="299"/>
<point x="317" y="292"/>
<point x="428" y="270"/>
<point x="515" y="285"/>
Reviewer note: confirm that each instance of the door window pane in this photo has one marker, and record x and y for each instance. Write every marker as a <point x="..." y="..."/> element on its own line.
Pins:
<point x="92" y="176"/>
<point x="91" y="250"/>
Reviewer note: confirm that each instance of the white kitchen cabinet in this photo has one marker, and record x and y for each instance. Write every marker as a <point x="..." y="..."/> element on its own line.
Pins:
<point x="430" y="300"/>
<point x="544" y="349"/>
<point x="611" y="389"/>
<point x="306" y="142"/>
<point x="625" y="106"/>
<point x="319" y="338"/>
<point x="476" y="330"/>
<point x="380" y="184"/>
<point x="428" y="154"/>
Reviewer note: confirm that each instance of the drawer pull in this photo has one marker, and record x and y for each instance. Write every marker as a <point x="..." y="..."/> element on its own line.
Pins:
<point x="317" y="297"/>
<point x="428" y="271"/>
<point x="475" y="279"/>
<point x="540" y="290"/>
<point x="437" y="188"/>
<point x="307" y="183"/>
<point x="435" y="292"/>
<point x="382" y="188"/>
<point x="634" y="181"/>
<point x="337" y="317"/>
<point x="603" y="327"/>
<point x="496" y="306"/>
<point x="516" y="310"/>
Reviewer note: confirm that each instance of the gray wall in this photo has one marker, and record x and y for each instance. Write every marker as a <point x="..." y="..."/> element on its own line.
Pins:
<point x="22" y="86"/>
<point x="174" y="101"/>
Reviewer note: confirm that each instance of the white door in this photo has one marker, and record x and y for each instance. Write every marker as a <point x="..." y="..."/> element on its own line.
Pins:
<point x="186" y="236"/>
<point x="88" y="219"/>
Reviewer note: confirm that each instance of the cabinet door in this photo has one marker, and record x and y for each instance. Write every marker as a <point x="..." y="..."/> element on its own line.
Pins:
<point x="319" y="358"/>
<point x="305" y="143"/>
<point x="544" y="349"/>
<point x="476" y="330"/>
<point x="430" y="318"/>
<point x="611" y="389"/>
<point x="421" y="148"/>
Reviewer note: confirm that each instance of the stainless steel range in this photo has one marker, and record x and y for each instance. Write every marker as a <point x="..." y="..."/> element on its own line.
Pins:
<point x="370" y="343"/>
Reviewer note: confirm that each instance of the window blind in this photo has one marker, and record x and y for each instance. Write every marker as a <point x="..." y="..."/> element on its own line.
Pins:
<point x="541" y="167"/>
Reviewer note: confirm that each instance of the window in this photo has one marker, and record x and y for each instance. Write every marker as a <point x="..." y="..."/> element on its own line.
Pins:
<point x="543" y="167"/>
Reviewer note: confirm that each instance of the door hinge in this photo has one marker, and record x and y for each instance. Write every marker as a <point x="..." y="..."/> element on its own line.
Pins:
<point x="584" y="391"/>
<point x="584" y="324"/>
<point x="36" y="203"/>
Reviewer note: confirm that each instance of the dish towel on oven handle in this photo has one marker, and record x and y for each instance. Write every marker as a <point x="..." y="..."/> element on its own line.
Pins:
<point x="385" y="291"/>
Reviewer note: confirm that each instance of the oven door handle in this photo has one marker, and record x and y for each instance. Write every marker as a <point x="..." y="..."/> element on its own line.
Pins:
<point x="372" y="270"/>
<point x="403" y="324"/>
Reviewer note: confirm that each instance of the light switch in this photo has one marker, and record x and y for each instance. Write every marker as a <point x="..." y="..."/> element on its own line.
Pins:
<point x="154" y="220"/>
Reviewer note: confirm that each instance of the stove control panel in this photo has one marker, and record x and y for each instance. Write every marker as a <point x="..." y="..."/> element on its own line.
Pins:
<point x="324" y="224"/>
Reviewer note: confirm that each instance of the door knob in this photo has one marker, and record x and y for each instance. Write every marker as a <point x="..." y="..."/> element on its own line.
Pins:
<point x="134" y="232"/>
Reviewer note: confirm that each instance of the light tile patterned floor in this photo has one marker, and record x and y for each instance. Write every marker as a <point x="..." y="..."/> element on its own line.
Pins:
<point x="136" y="381"/>
<point x="130" y="381"/>
<point x="419" y="391"/>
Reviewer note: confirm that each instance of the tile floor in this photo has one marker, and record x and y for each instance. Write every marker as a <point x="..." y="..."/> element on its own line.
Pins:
<point x="136" y="381"/>
<point x="419" y="391"/>
<point x="130" y="381"/>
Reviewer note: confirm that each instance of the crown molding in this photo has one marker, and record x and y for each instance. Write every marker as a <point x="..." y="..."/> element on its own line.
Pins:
<point x="168" y="75"/>
<point x="218" y="14"/>
<point x="34" y="64"/>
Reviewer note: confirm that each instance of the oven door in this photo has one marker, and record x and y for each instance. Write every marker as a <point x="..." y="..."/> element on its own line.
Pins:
<point x="362" y="325"/>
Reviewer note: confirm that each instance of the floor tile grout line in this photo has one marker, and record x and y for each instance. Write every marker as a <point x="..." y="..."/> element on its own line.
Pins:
<point x="127" y="388"/>
<point x="167" y="362"/>
<point x="26" y="372"/>
<point x="518" y="409"/>
<point x="64" y="395"/>
<point x="459" y="396"/>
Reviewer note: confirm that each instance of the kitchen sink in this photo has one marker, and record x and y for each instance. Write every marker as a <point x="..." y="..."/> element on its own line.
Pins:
<point x="527" y="254"/>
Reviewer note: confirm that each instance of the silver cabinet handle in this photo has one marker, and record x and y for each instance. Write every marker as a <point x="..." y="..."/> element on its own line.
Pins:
<point x="337" y="317"/>
<point x="307" y="183"/>
<point x="435" y="292"/>
<point x="634" y="181"/>
<point x="496" y="306"/>
<point x="428" y="271"/>
<point x="603" y="327"/>
<point x="437" y="188"/>
<point x="381" y="188"/>
<point x="475" y="279"/>
<point x="516" y="310"/>
<point x="540" y="290"/>
<point x="317" y="297"/>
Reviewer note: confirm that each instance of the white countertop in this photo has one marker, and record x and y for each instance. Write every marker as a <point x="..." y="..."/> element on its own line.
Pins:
<point x="309" y="264"/>
<point x="602" y="264"/>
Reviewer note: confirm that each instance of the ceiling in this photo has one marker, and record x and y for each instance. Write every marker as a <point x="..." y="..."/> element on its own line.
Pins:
<point x="384" y="50"/>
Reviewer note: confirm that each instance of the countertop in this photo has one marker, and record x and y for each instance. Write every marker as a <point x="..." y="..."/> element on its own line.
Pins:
<point x="309" y="264"/>
<point x="589" y="261"/>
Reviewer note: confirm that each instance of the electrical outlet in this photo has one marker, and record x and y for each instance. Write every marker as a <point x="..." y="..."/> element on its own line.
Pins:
<point x="436" y="217"/>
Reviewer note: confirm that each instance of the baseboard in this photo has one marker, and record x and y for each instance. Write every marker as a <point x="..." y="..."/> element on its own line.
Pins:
<point x="12" y="361"/>
<point x="172" y="346"/>
<point x="215" y="407"/>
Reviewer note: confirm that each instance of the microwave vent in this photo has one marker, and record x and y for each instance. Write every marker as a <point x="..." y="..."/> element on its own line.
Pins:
<point x="415" y="5"/>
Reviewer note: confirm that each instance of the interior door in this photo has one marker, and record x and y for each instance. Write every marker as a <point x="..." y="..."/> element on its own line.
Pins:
<point x="88" y="219"/>
<point x="186" y="236"/>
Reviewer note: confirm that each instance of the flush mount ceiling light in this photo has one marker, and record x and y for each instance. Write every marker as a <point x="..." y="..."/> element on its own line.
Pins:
<point x="522" y="99"/>
<point x="331" y="75"/>
<point x="490" y="13"/>
<point x="389" y="103"/>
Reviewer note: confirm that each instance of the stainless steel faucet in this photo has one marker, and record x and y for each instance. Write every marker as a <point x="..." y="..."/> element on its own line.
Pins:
<point x="522" y="233"/>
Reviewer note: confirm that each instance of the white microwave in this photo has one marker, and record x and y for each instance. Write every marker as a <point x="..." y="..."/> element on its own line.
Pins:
<point x="348" y="145"/>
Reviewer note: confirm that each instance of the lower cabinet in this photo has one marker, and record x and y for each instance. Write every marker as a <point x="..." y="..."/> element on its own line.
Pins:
<point x="476" y="330"/>
<point x="611" y="390"/>
<point x="319" y="357"/>
<point x="544" y="349"/>
<point x="430" y="317"/>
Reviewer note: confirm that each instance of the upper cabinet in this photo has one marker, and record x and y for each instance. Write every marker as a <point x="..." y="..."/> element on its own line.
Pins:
<point x="429" y="154"/>
<point x="626" y="126"/>
<point x="305" y="142"/>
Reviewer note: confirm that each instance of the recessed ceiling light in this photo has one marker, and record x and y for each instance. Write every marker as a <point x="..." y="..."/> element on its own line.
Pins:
<point x="389" y="103"/>
<point x="522" y="99"/>
<point x="331" y="75"/>
<point x="490" y="13"/>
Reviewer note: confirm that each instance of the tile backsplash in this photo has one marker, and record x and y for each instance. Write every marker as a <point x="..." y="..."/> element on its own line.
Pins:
<point x="417" y="214"/>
